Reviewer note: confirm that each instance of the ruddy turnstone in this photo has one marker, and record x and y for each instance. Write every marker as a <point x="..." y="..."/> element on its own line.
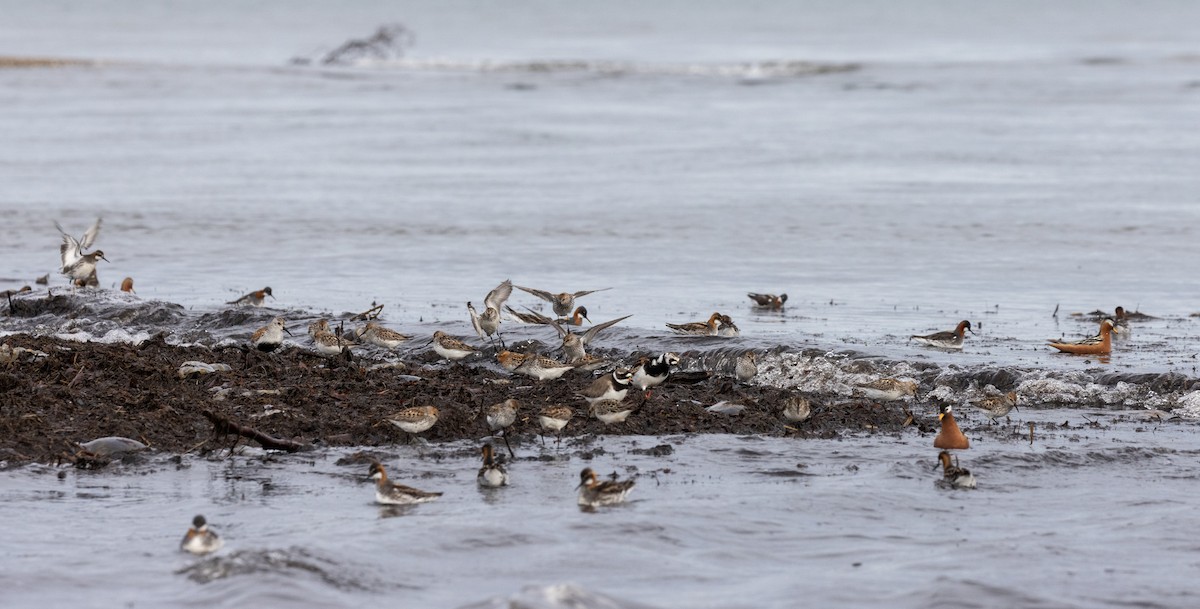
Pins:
<point x="543" y="368"/>
<point x="728" y="329"/>
<point x="951" y="339"/>
<point x="699" y="328"/>
<point x="127" y="285"/>
<point x="256" y="298"/>
<point x="488" y="323"/>
<point x="768" y="301"/>
<point x="390" y="493"/>
<point x="449" y="347"/>
<point x="78" y="266"/>
<point x="953" y="475"/>
<point x="492" y="474"/>
<point x="1101" y="344"/>
<point x="199" y="539"/>
<point x="652" y="372"/>
<point x="886" y="390"/>
<point x="609" y="411"/>
<point x="415" y="420"/>
<point x="324" y="340"/>
<point x="562" y="302"/>
<point x="612" y="386"/>
<point x="997" y="406"/>
<point x="746" y="367"/>
<point x="594" y="493"/>
<point x="574" y="345"/>
<point x="950" y="436"/>
<point x="381" y="336"/>
<point x="796" y="408"/>
<point x="269" y="337"/>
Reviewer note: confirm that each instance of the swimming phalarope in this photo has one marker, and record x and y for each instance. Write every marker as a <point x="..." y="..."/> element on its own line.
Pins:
<point x="1100" y="344"/>
<point x="728" y="329"/>
<point x="533" y="317"/>
<point x="449" y="347"/>
<point x="950" y="436"/>
<point x="492" y="474"/>
<point x="199" y="539"/>
<point x="952" y="339"/>
<point x="415" y="420"/>
<point x="256" y="298"/>
<point x="699" y="328"/>
<point x="886" y="390"/>
<point x="1121" y="322"/>
<point x="390" y="493"/>
<point x="562" y="302"/>
<point x="543" y="368"/>
<point x="574" y="345"/>
<point x="380" y="336"/>
<point x="953" y="475"/>
<point x="325" y="341"/>
<point x="594" y="492"/>
<point x="610" y="411"/>
<point x="488" y="323"/>
<point x="127" y="285"/>
<point x="269" y="337"/>
<point x="78" y="266"/>
<point x="796" y="408"/>
<point x="612" y="386"/>
<point x="768" y="301"/>
<point x="997" y="406"/>
<point x="746" y="367"/>
<point x="652" y="372"/>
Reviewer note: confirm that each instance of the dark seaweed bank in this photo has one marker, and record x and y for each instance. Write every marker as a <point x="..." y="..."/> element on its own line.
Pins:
<point x="55" y="394"/>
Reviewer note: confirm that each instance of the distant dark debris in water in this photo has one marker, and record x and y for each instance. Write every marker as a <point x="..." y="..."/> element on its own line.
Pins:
<point x="662" y="450"/>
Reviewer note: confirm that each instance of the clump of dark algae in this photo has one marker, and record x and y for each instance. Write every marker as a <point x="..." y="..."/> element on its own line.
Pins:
<point x="77" y="392"/>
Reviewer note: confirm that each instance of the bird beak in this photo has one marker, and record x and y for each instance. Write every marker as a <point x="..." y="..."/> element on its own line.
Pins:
<point x="272" y="296"/>
<point x="103" y="258"/>
<point x="288" y="331"/>
<point x="940" y="415"/>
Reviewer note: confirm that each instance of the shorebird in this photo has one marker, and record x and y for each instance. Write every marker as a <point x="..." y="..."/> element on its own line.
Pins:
<point x="886" y="390"/>
<point x="574" y="345"/>
<point x="325" y="341"/>
<point x="555" y="418"/>
<point x="511" y="360"/>
<point x="492" y="474"/>
<point x="728" y="329"/>
<point x="997" y="406"/>
<point x="127" y="285"/>
<point x="381" y="336"/>
<point x="612" y="386"/>
<point x="269" y="337"/>
<point x="768" y="301"/>
<point x="543" y="368"/>
<point x="199" y="539"/>
<point x="533" y="317"/>
<point x="950" y="339"/>
<point x="652" y="372"/>
<point x="414" y="420"/>
<point x="449" y="347"/>
<point x="1101" y="344"/>
<point x="595" y="493"/>
<point x="589" y="363"/>
<point x="256" y="298"/>
<point x="78" y="266"/>
<point x="488" y="323"/>
<point x="953" y="475"/>
<point x="500" y="416"/>
<point x="796" y="408"/>
<point x="950" y="436"/>
<point x="746" y="367"/>
<point x="562" y="302"/>
<point x="390" y="493"/>
<point x="699" y="328"/>
<point x="609" y="411"/>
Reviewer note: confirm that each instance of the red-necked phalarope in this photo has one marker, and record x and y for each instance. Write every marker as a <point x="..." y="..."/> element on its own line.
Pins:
<point x="952" y="339"/>
<point x="768" y="301"/>
<point x="78" y="266"/>
<point x="269" y="337"/>
<point x="699" y="328"/>
<point x="256" y="298"/>
<point x="728" y="329"/>
<point x="652" y="372"/>
<point x="574" y="345"/>
<point x="886" y="390"/>
<point x="199" y="539"/>
<point x="950" y="436"/>
<point x="1101" y="344"/>
<point x="488" y="323"/>
<point x="390" y="493"/>
<point x="492" y="474"/>
<point x="127" y="285"/>
<point x="612" y="386"/>
<point x="562" y="302"/>
<point x="594" y="493"/>
<point x="953" y="475"/>
<point x="997" y="406"/>
<point x="449" y="347"/>
<point x="380" y="336"/>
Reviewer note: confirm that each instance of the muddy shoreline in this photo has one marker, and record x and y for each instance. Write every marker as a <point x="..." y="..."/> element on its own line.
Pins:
<point x="80" y="391"/>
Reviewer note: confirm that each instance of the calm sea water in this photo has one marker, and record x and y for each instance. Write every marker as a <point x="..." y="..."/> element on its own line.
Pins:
<point x="953" y="162"/>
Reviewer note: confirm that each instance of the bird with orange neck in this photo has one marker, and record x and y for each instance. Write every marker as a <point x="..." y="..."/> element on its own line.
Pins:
<point x="950" y="436"/>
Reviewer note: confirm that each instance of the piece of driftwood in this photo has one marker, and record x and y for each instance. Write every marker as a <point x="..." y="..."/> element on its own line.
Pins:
<point x="369" y="314"/>
<point x="222" y="425"/>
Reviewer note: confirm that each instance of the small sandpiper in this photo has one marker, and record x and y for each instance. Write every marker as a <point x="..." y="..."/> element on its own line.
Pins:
<point x="612" y="386"/>
<point x="746" y="367"/>
<point x="543" y="368"/>
<point x="511" y="360"/>
<point x="381" y="336"/>
<point x="562" y="302"/>
<point x="652" y="372"/>
<point x="533" y="317"/>
<point x="492" y="474"/>
<point x="451" y="348"/>
<point x="951" y="339"/>
<point x="610" y="411"/>
<point x="953" y="475"/>
<point x="997" y="406"/>
<point x="555" y="418"/>
<point x="501" y="415"/>
<point x="415" y="420"/>
<point x="256" y="298"/>
<point x="78" y="266"/>
<point x="573" y="345"/>
<point x="950" y="436"/>
<point x="728" y="329"/>
<point x="269" y="337"/>
<point x="796" y="408"/>
<point x="768" y="301"/>
<point x="390" y="493"/>
<point x="199" y="539"/>
<point x="325" y="341"/>
<point x="699" y="328"/>
<point x="595" y="493"/>
<point x="886" y="390"/>
<point x="488" y="323"/>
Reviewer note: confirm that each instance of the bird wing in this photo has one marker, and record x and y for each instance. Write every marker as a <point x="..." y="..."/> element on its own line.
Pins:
<point x="761" y="299"/>
<point x="69" y="252"/>
<point x="586" y="292"/>
<point x="475" y="319"/>
<point x="594" y="330"/>
<point x="532" y="317"/>
<point x="561" y="331"/>
<point x="495" y="299"/>
<point x="89" y="236"/>
<point x="547" y="296"/>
